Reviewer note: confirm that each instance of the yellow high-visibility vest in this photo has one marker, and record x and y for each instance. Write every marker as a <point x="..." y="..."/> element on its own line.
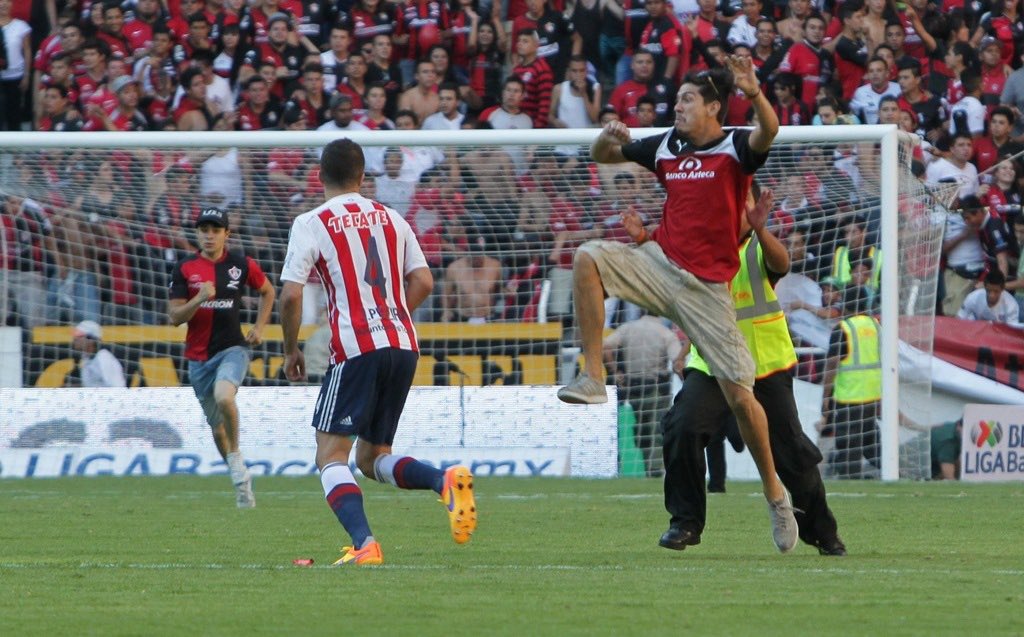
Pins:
<point x="859" y="378"/>
<point x="841" y="266"/>
<point x="758" y="315"/>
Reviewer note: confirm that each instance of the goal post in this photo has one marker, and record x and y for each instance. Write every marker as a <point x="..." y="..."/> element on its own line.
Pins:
<point x="871" y="179"/>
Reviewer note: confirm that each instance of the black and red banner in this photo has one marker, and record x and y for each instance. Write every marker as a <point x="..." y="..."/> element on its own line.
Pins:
<point x="992" y="350"/>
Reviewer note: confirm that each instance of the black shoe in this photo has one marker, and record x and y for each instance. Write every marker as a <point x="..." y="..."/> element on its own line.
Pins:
<point x="716" y="488"/>
<point x="677" y="538"/>
<point x="833" y="547"/>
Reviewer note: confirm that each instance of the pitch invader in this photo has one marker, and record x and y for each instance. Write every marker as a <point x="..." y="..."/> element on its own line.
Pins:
<point x="206" y="292"/>
<point x="375" y="275"/>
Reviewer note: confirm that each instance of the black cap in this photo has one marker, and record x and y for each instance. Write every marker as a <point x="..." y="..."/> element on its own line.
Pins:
<point x="214" y="216"/>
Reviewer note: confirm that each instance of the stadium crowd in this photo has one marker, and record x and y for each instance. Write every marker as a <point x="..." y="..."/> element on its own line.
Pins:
<point x="944" y="72"/>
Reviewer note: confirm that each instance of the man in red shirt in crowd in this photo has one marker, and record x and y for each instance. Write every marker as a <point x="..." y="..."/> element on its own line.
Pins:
<point x="259" y="110"/>
<point x="663" y="38"/>
<point x="537" y="76"/>
<point x="312" y="99"/>
<point x="179" y="23"/>
<point x="993" y="72"/>
<point x="625" y="96"/>
<point x="139" y="29"/>
<point x="110" y="30"/>
<point x="810" y="61"/>
<point x="998" y="143"/>
<point x="556" y="40"/>
<point x="198" y="39"/>
<point x="94" y="56"/>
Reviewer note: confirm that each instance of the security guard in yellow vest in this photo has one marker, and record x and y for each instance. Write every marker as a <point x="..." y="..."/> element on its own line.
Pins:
<point x="700" y="410"/>
<point x="856" y="248"/>
<point x="853" y="388"/>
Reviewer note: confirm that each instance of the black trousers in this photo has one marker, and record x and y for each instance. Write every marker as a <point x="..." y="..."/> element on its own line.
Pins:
<point x="857" y="436"/>
<point x="11" y="99"/>
<point x="699" y="413"/>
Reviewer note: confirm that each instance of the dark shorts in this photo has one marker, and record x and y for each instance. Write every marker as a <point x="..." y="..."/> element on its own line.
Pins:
<point x="365" y="395"/>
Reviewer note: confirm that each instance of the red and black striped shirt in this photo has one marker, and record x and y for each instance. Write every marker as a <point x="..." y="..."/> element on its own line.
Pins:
<point x="216" y="325"/>
<point x="539" y="81"/>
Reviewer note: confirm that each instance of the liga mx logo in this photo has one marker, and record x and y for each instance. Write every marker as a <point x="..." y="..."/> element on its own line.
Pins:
<point x="986" y="431"/>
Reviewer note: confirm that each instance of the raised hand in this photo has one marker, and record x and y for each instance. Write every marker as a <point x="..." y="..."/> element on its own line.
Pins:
<point x="758" y="215"/>
<point x="744" y="75"/>
<point x="617" y="131"/>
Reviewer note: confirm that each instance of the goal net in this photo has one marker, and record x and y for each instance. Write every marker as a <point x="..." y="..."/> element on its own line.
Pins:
<point x="93" y="223"/>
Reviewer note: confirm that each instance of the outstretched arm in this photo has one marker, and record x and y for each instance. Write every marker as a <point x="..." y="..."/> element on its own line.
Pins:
<point x="776" y="257"/>
<point x="767" y="122"/>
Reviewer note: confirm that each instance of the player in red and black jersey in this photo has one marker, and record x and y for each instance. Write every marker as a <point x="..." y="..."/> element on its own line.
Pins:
<point x="206" y="292"/>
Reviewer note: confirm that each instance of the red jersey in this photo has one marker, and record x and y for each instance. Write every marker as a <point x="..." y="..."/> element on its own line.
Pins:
<point x="539" y="81"/>
<point x="992" y="82"/>
<point x="362" y="252"/>
<point x="365" y="25"/>
<point x="706" y="192"/>
<point x="814" y="65"/>
<point x="414" y="17"/>
<point x="139" y="35"/>
<point x="216" y="325"/>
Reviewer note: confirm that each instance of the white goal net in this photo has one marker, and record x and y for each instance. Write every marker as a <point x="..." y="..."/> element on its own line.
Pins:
<point x="93" y="223"/>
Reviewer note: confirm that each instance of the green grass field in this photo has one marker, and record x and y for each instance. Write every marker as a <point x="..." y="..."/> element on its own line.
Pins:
<point x="156" y="556"/>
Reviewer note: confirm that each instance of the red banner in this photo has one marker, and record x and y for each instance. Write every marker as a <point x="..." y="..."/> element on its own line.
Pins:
<point x="992" y="350"/>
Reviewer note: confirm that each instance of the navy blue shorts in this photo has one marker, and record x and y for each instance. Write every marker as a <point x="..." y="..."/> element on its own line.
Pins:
<point x="365" y="395"/>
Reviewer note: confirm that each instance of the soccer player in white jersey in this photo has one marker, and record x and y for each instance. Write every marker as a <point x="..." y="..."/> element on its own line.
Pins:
<point x="375" y="275"/>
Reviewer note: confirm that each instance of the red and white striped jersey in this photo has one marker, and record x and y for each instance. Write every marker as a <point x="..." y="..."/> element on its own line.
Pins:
<point x="361" y="250"/>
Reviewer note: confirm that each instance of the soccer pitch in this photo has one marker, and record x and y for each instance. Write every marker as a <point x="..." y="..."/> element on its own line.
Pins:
<point x="172" y="556"/>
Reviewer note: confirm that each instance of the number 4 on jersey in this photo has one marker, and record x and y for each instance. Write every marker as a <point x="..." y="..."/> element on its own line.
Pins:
<point x="375" y="272"/>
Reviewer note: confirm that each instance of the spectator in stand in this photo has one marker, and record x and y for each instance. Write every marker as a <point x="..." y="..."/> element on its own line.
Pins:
<point x="994" y="73"/>
<point x="645" y="115"/>
<point x="112" y="30"/>
<point x="744" y="26"/>
<point x="312" y="98"/>
<point x="851" y="54"/>
<point x="158" y="60"/>
<point x="354" y="84"/>
<point x="94" y="60"/>
<point x="448" y="116"/>
<point x="120" y="248"/>
<point x="286" y="57"/>
<point x="625" y="96"/>
<point x="382" y="70"/>
<point x="415" y="159"/>
<point x="194" y="113"/>
<point x="219" y="96"/>
<point x="575" y="103"/>
<point x="28" y="246"/>
<point x="258" y="111"/>
<point x="446" y="73"/>
<point x="376" y="101"/>
<point x="508" y="113"/>
<point x="556" y="39"/>
<point x="931" y="114"/>
<point x="97" y="367"/>
<point x="419" y="25"/>
<point x="1002" y="24"/>
<point x="792" y="27"/>
<point x="964" y="257"/>
<point x="127" y="116"/>
<point x="16" y="73"/>
<point x="488" y="47"/>
<point x="372" y="18"/>
<point x="665" y="40"/>
<point x="808" y="60"/>
<point x="421" y="99"/>
<point x="470" y="286"/>
<point x="537" y="78"/>
<point x="855" y="248"/>
<point x="992" y="302"/>
<point x="335" y="58"/>
<point x="138" y="29"/>
<point x="998" y="143"/>
<point x="1000" y="192"/>
<point x="997" y="243"/>
<point x="198" y="39"/>
<point x="866" y="98"/>
<point x="392" y="189"/>
<point x="767" y="54"/>
<point x="342" y="119"/>
<point x="968" y="115"/>
<point x="790" y="110"/>
<point x="959" y="57"/>
<point x="957" y="168"/>
<point x="57" y="112"/>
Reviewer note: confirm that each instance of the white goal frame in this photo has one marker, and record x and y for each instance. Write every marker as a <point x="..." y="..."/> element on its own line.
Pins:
<point x="887" y="136"/>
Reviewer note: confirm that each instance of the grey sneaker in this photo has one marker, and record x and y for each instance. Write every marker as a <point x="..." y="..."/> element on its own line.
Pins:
<point x="784" y="527"/>
<point x="584" y="390"/>
<point x="244" y="497"/>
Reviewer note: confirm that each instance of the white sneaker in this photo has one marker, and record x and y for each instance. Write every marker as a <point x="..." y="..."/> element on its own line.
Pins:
<point x="785" y="531"/>
<point x="244" y="497"/>
<point x="583" y="390"/>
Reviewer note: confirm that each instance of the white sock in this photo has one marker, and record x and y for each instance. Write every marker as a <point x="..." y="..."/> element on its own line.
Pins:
<point x="384" y="468"/>
<point x="334" y="474"/>
<point x="236" y="466"/>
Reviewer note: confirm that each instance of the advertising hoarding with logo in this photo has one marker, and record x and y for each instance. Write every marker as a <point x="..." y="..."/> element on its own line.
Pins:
<point x="992" y="446"/>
